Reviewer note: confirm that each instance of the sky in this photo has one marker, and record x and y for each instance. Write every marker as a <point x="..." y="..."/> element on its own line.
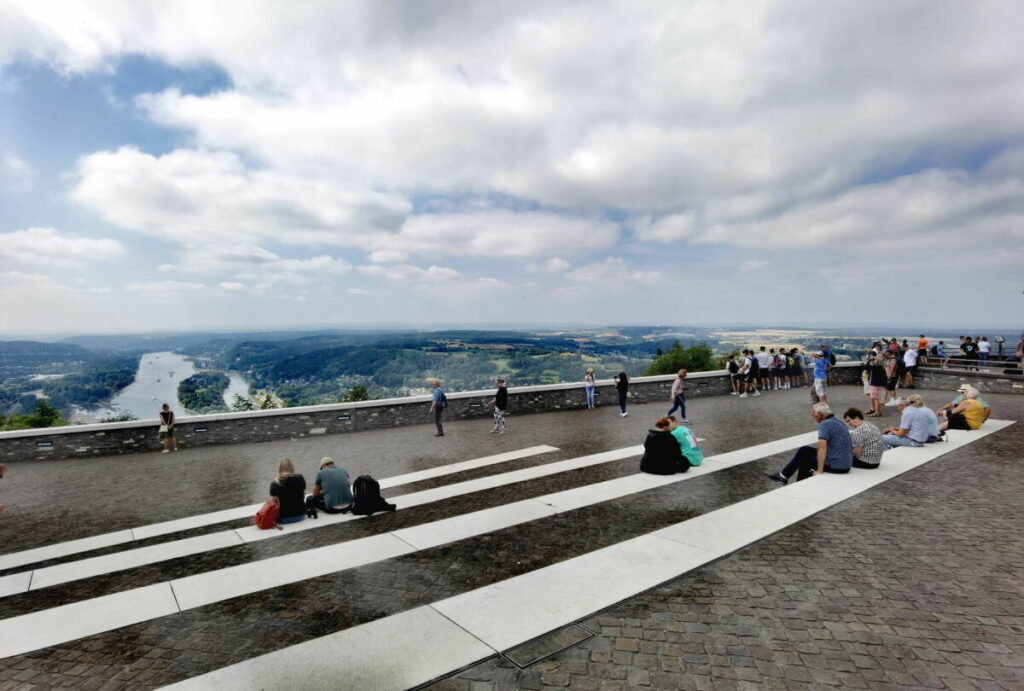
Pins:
<point x="258" y="164"/>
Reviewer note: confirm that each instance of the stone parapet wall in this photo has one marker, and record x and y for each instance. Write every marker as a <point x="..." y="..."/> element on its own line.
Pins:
<point x="83" y="441"/>
<point x="992" y="381"/>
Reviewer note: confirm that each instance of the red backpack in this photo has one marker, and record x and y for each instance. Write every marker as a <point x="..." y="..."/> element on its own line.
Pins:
<point x="266" y="517"/>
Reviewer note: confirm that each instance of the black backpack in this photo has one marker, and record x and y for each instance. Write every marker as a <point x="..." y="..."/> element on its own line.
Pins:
<point x="367" y="499"/>
<point x="444" y="400"/>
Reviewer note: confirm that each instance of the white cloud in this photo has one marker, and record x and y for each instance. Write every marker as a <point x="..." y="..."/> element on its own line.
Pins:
<point x="614" y="271"/>
<point x="916" y="210"/>
<point x="50" y="246"/>
<point x="167" y="290"/>
<point x="254" y="264"/>
<point x="231" y="286"/>
<point x="636" y="105"/>
<point x="202" y="197"/>
<point x="499" y="233"/>
<point x="670" y="228"/>
<point x="212" y="197"/>
<point x="555" y="265"/>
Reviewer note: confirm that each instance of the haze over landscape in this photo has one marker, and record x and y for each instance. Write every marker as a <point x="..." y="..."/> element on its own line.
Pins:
<point x="194" y="165"/>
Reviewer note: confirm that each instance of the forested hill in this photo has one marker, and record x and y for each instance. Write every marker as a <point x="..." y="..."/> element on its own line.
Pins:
<point x="64" y="373"/>
<point x="28" y="354"/>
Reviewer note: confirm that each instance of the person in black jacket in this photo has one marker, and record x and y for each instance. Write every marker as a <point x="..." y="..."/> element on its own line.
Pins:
<point x="622" y="386"/>
<point x="500" y="403"/>
<point x="289" y="490"/>
<point x="662" y="453"/>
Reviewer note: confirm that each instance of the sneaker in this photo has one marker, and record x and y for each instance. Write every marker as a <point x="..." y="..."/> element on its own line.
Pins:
<point x="757" y="393"/>
<point x="778" y="477"/>
<point x="494" y="431"/>
<point x="734" y="393"/>
<point x="890" y="403"/>
<point x="743" y="395"/>
<point x="439" y="434"/>
<point x="166" y="451"/>
<point x="623" y="414"/>
<point x="684" y="421"/>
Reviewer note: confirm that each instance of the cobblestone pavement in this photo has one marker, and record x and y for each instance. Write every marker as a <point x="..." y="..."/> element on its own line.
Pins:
<point x="917" y="583"/>
<point x="868" y="592"/>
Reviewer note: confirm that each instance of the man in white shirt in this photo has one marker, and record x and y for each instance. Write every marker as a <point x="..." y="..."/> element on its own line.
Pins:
<point x="910" y="362"/>
<point x="764" y="369"/>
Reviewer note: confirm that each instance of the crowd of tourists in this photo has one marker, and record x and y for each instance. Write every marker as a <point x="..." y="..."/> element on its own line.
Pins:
<point x="771" y="370"/>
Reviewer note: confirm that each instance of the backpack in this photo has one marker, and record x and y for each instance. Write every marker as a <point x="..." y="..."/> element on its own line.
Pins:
<point x="776" y="361"/>
<point x="831" y="358"/>
<point x="790" y="361"/>
<point x="935" y="350"/>
<point x="444" y="404"/>
<point x="266" y="517"/>
<point x="754" y="364"/>
<point x="366" y="496"/>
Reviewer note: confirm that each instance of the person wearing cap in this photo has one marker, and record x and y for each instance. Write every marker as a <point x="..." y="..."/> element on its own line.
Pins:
<point x="332" y="490"/>
<point x="913" y="428"/>
<point x="965" y="390"/>
<point x="966" y="415"/>
<point x="934" y="429"/>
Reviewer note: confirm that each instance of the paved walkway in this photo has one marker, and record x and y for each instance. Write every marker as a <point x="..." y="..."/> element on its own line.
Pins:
<point x="318" y="589"/>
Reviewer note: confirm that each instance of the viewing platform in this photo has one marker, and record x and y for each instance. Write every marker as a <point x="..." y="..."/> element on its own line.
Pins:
<point x="533" y="559"/>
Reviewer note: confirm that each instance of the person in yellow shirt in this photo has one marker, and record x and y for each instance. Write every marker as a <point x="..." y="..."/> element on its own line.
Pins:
<point x="968" y="414"/>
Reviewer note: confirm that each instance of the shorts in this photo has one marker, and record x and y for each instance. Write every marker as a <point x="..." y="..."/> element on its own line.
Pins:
<point x="873" y="392"/>
<point x="912" y="370"/>
<point x="890" y="384"/>
<point x="958" y="421"/>
<point x="819" y="387"/>
<point x="923" y="352"/>
<point x="750" y="378"/>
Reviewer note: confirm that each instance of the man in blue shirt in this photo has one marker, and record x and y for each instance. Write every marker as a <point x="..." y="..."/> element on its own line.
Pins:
<point x="821" y="367"/>
<point x="913" y="428"/>
<point x="437" y="405"/>
<point x="833" y="453"/>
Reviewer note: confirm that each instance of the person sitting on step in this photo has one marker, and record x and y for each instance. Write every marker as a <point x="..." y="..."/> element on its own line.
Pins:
<point x="913" y="427"/>
<point x="832" y="454"/>
<point x="332" y="490"/>
<point x="967" y="415"/>
<point x="289" y="490"/>
<point x="866" y="438"/>
<point x="662" y="454"/>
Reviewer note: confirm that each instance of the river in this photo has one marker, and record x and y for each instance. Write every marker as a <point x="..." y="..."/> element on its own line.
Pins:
<point x="156" y="382"/>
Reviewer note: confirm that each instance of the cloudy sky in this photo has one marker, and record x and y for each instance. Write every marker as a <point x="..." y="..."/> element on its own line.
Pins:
<point x="198" y="164"/>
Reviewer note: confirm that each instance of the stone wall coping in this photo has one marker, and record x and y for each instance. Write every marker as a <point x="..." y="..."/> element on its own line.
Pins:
<point x="333" y="407"/>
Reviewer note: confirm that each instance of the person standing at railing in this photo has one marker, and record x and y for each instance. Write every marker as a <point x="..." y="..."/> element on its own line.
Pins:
<point x="500" y="403"/>
<point x="970" y="350"/>
<point x="984" y="350"/>
<point x="910" y="363"/>
<point x="622" y="387"/>
<point x="3" y="469"/>
<point x="588" y="386"/>
<point x="922" y="350"/>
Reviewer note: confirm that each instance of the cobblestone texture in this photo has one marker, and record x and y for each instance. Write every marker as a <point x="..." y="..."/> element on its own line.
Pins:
<point x="914" y="584"/>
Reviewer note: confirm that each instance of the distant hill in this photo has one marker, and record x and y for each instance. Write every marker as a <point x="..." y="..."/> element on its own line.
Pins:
<point x="31" y="353"/>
